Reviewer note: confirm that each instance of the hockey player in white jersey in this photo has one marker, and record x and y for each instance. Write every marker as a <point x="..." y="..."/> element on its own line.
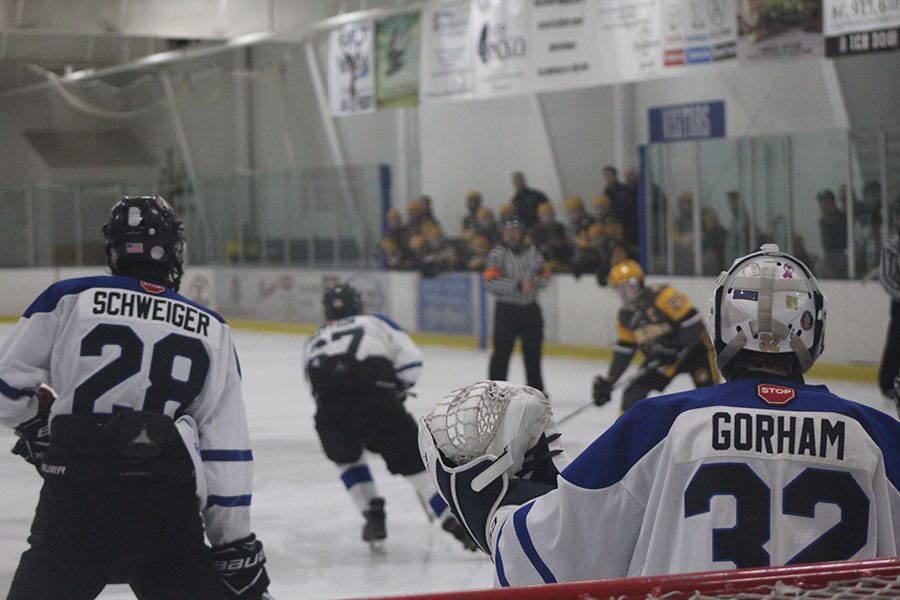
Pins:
<point x="124" y="482"/>
<point x="360" y="368"/>
<point x="762" y="470"/>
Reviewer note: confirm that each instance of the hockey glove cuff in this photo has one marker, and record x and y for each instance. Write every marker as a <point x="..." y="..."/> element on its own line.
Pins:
<point x="241" y="564"/>
<point x="34" y="438"/>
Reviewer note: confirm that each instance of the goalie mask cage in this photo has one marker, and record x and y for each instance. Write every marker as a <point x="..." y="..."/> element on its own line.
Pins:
<point x="873" y="579"/>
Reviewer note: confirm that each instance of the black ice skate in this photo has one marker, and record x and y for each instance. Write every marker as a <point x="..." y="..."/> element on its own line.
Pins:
<point x="455" y="528"/>
<point x="374" y="531"/>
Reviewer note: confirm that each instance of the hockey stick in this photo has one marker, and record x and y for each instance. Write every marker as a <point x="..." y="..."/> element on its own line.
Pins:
<point x="618" y="384"/>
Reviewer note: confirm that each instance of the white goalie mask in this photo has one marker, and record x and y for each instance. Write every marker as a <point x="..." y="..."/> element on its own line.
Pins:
<point x="767" y="302"/>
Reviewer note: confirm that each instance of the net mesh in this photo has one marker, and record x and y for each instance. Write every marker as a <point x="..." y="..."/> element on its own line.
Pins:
<point x="465" y="421"/>
<point x="871" y="579"/>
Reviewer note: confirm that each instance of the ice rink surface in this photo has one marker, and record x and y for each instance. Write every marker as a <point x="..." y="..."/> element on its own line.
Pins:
<point x="301" y="511"/>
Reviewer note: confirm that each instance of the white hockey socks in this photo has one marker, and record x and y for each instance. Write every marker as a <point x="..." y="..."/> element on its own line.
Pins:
<point x="434" y="505"/>
<point x="359" y="483"/>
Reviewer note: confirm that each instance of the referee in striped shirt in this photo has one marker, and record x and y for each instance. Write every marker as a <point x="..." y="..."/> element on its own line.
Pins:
<point x="515" y="272"/>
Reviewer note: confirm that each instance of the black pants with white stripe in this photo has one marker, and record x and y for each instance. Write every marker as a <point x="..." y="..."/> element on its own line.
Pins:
<point x="512" y="321"/>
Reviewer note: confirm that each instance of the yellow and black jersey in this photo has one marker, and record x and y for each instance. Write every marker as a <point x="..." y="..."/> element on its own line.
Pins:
<point x="662" y="323"/>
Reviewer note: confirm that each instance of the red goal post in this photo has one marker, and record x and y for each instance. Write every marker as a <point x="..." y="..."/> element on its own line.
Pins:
<point x="874" y="579"/>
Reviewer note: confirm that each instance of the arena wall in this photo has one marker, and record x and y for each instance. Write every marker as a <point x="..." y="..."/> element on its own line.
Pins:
<point x="453" y="308"/>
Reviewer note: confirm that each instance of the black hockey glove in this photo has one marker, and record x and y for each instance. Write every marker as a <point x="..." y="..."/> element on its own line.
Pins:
<point x="602" y="392"/>
<point x="242" y="567"/>
<point x="34" y="438"/>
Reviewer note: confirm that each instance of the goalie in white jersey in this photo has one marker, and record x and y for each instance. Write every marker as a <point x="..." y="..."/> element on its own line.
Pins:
<point x="124" y="481"/>
<point x="762" y="470"/>
<point x="360" y="368"/>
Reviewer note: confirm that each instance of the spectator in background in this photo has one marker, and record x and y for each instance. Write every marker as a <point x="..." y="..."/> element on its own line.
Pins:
<point x="683" y="235"/>
<point x="417" y="213"/>
<point x="578" y="218"/>
<point x="477" y="248"/>
<point x="615" y="191"/>
<point x="549" y="237"/>
<point x="486" y="225"/>
<point x="890" y="279"/>
<point x="526" y="200"/>
<point x="867" y="235"/>
<point x="600" y="247"/>
<point x="712" y="242"/>
<point x="395" y="242"/>
<point x="738" y="241"/>
<point x="438" y="254"/>
<point x="429" y="208"/>
<point x="833" y="231"/>
<point x="630" y="192"/>
<point x="473" y="203"/>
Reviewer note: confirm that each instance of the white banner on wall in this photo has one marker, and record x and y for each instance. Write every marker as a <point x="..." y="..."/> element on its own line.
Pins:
<point x="351" y="69"/>
<point x="859" y="26"/>
<point x="499" y="34"/>
<point x="562" y="40"/>
<point x="446" y="53"/>
<point x="629" y="39"/>
<point x="697" y="32"/>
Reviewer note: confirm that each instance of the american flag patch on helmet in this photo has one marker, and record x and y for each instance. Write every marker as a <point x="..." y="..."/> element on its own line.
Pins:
<point x="134" y="248"/>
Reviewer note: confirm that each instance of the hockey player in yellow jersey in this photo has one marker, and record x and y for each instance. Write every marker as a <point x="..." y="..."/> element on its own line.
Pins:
<point x="662" y="323"/>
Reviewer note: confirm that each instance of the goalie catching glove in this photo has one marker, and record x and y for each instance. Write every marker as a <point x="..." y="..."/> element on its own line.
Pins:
<point x="487" y="445"/>
<point x="34" y="434"/>
<point x="241" y="565"/>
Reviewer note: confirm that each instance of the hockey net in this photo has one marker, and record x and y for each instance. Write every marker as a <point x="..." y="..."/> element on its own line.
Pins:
<point x="873" y="579"/>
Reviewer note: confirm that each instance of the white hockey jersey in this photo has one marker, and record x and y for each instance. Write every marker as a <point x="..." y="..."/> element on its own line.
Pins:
<point x="358" y="353"/>
<point x="748" y="473"/>
<point x="109" y="343"/>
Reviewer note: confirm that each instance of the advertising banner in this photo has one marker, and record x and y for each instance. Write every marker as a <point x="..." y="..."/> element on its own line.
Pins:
<point x="628" y="39"/>
<point x="697" y="32"/>
<point x="563" y="43"/>
<point x="397" y="61"/>
<point x="446" y="53"/>
<point x="779" y="29"/>
<point x="445" y="304"/>
<point x="859" y="26"/>
<point x="498" y="33"/>
<point x="351" y="77"/>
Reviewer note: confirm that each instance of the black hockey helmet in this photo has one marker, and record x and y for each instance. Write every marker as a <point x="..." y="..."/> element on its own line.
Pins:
<point x="341" y="301"/>
<point x="145" y="239"/>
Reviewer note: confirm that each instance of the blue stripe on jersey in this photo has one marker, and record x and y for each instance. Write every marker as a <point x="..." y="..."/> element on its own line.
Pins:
<point x="634" y="434"/>
<point x="226" y="455"/>
<point x="437" y="504"/>
<point x="521" y="525"/>
<point x="12" y="392"/>
<point x="411" y="365"/>
<point x="237" y="360"/>
<point x="228" y="500"/>
<point x="357" y="474"/>
<point x="498" y="561"/>
<point x="388" y="320"/>
<point x="50" y="298"/>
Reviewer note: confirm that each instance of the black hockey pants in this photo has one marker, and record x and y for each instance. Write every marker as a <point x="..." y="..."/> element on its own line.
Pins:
<point x="512" y="321"/>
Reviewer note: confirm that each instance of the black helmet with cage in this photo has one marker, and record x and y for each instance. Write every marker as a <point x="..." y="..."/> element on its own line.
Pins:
<point x="341" y="301"/>
<point x="145" y="239"/>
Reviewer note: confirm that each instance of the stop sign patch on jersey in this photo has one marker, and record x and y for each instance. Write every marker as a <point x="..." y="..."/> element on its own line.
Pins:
<point x="775" y="394"/>
<point x="152" y="287"/>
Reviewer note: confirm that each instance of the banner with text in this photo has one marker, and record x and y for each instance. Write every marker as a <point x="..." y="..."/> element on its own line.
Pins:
<point x="628" y="39"/>
<point x="680" y="122"/>
<point x="779" y="29"/>
<point x="498" y="33"/>
<point x="859" y="26"/>
<point x="446" y="53"/>
<point x="351" y="73"/>
<point x="445" y="304"/>
<point x="563" y="43"/>
<point x="397" y="61"/>
<point x="698" y="32"/>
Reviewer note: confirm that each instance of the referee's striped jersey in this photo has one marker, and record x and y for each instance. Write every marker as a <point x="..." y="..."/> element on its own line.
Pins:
<point x="505" y="268"/>
<point x="890" y="267"/>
